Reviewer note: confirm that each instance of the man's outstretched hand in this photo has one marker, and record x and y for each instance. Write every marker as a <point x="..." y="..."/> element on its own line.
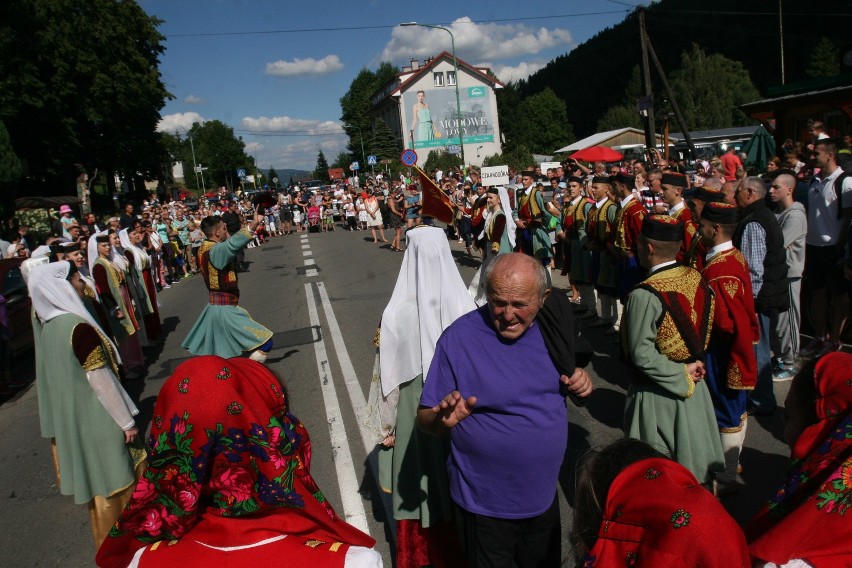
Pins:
<point x="446" y="414"/>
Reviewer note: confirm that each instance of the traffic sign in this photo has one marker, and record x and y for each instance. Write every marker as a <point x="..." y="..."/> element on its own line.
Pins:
<point x="355" y="166"/>
<point x="241" y="172"/>
<point x="454" y="149"/>
<point x="198" y="169"/>
<point x="371" y="161"/>
<point x="408" y="157"/>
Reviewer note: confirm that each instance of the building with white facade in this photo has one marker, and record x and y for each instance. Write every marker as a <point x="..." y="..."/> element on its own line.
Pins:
<point x="419" y="106"/>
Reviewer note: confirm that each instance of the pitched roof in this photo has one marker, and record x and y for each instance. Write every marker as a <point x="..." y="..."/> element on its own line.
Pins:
<point x="417" y="74"/>
<point x="599" y="138"/>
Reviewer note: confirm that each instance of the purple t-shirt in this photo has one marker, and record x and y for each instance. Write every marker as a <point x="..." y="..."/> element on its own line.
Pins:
<point x="505" y="457"/>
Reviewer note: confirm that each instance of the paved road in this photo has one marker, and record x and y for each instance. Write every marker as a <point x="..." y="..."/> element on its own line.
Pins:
<point x="322" y="295"/>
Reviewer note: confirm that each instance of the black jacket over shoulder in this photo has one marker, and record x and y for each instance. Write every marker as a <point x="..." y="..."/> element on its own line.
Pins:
<point x="774" y="293"/>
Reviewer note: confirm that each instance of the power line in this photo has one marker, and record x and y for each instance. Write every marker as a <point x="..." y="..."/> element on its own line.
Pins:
<point x="389" y="26"/>
<point x="299" y="133"/>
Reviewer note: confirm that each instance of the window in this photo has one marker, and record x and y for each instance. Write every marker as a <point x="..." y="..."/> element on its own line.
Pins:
<point x="451" y="78"/>
<point x="439" y="79"/>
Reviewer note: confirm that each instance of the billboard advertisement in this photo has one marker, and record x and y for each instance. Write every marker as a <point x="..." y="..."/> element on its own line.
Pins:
<point x="433" y="119"/>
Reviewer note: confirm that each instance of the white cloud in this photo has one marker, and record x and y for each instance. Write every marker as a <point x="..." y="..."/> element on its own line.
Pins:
<point x="292" y="125"/>
<point x="473" y="41"/>
<point x="508" y="73"/>
<point x="194" y="100"/>
<point x="309" y="66"/>
<point x="301" y="155"/>
<point x="172" y="122"/>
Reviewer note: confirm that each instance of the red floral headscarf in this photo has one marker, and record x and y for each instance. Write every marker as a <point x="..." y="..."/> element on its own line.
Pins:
<point x="807" y="518"/>
<point x="657" y="514"/>
<point x="230" y="466"/>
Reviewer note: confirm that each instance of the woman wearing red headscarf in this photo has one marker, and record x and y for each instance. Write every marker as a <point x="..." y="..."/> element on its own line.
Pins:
<point x="635" y="507"/>
<point x="228" y="482"/>
<point x="807" y="522"/>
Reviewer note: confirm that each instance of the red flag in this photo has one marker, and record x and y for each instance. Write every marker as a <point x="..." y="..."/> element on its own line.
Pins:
<point x="436" y="204"/>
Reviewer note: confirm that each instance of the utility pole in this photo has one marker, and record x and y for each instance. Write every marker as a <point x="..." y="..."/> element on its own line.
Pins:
<point x="650" y="134"/>
<point x="781" y="33"/>
<point x="675" y="107"/>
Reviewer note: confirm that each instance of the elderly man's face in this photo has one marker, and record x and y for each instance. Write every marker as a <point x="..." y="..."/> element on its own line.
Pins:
<point x="514" y="302"/>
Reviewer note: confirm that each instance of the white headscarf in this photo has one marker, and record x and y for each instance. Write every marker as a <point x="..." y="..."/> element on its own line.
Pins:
<point x="429" y="295"/>
<point x="92" y="252"/>
<point x="35" y="260"/>
<point x="53" y="295"/>
<point x="134" y="250"/>
<point x="117" y="256"/>
<point x="507" y="211"/>
<point x="511" y="228"/>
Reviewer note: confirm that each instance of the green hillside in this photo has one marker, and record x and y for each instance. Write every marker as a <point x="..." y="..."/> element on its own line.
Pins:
<point x="593" y="76"/>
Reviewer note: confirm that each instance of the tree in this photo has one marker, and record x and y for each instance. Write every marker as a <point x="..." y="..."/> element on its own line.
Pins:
<point x="81" y="84"/>
<point x="624" y="115"/>
<point x="825" y="59"/>
<point x="10" y="174"/>
<point x="710" y="89"/>
<point x="217" y="148"/>
<point x="546" y="125"/>
<point x="343" y="160"/>
<point x="321" y="171"/>
<point x="441" y="159"/>
<point x="271" y="176"/>
<point x="508" y="103"/>
<point x="356" y="104"/>
<point x="384" y="145"/>
<point x="518" y="157"/>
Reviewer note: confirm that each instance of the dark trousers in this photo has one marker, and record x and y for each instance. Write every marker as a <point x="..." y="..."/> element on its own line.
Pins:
<point x="503" y="543"/>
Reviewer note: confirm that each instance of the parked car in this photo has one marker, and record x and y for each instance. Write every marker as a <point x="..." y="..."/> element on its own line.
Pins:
<point x="18" y="305"/>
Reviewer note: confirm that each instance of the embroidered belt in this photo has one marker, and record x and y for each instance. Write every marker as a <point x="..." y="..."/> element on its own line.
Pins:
<point x="223" y="299"/>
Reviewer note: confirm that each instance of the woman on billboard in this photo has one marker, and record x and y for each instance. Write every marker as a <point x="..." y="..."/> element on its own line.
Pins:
<point x="421" y="126"/>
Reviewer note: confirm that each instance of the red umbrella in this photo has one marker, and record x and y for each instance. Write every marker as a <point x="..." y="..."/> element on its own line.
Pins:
<point x="597" y="154"/>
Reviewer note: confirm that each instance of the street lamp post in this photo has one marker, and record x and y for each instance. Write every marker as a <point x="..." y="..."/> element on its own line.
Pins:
<point x="363" y="155"/>
<point x="456" y="71"/>
<point x="194" y="165"/>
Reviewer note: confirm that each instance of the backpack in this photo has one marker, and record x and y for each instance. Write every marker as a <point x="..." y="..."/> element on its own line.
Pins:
<point x="838" y="192"/>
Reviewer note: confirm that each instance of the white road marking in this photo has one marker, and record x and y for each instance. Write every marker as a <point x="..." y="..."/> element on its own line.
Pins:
<point x="353" y="506"/>
<point x="306" y="246"/>
<point x="359" y="405"/>
<point x="311" y="272"/>
<point x="306" y="253"/>
<point x="310" y="262"/>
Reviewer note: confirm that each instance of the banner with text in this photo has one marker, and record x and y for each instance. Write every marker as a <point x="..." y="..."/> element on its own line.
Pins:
<point x="495" y="175"/>
<point x="432" y="117"/>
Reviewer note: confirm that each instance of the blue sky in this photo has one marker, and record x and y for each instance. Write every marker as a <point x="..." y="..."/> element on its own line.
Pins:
<point x="278" y="66"/>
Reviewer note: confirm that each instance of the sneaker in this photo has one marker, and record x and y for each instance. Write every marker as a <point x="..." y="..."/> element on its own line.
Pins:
<point x="167" y="286"/>
<point x="783" y="373"/>
<point x="829" y="346"/>
<point x="811" y="349"/>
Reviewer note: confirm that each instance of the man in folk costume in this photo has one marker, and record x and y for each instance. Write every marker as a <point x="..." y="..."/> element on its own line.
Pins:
<point x="673" y="185"/>
<point x="533" y="220"/>
<point x="114" y="295"/>
<point x="665" y="330"/>
<point x="628" y="225"/>
<point x="731" y="364"/>
<point x="599" y="231"/>
<point x="575" y="232"/>
<point x="81" y="403"/>
<point x="224" y="328"/>
<point x="710" y="192"/>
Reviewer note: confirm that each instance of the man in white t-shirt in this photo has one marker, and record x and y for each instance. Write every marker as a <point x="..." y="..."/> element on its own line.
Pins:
<point x="829" y="214"/>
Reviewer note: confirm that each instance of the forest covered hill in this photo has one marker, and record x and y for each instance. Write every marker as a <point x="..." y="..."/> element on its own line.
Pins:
<point x="594" y="76"/>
